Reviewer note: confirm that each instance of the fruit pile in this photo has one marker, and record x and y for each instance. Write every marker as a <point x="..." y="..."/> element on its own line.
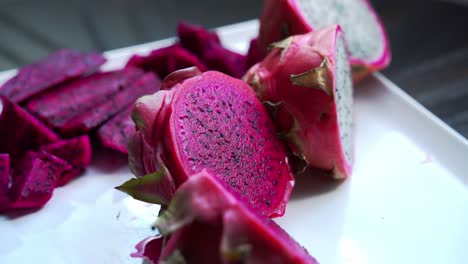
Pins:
<point x="213" y="142"/>
<point x="51" y="108"/>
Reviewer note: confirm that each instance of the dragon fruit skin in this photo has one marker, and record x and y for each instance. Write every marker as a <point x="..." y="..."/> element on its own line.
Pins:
<point x="4" y="180"/>
<point x="58" y="67"/>
<point x="369" y="51"/>
<point x="235" y="137"/>
<point x="76" y="151"/>
<point x="207" y="46"/>
<point x="149" y="249"/>
<point x="232" y="232"/>
<point x="33" y="180"/>
<point x="307" y="77"/>
<point x="166" y="60"/>
<point x="20" y="131"/>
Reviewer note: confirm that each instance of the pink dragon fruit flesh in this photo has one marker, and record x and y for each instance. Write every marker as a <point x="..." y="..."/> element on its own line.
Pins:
<point x="76" y="151"/>
<point x="20" y="131"/>
<point x="166" y="60"/>
<point x="306" y="81"/>
<point x="57" y="68"/>
<point x="364" y="33"/>
<point x="207" y="46"/>
<point x="254" y="55"/>
<point x="116" y="132"/>
<point x="33" y="179"/>
<point x="205" y="209"/>
<point x="80" y="106"/>
<point x="212" y="121"/>
<point x="4" y="180"/>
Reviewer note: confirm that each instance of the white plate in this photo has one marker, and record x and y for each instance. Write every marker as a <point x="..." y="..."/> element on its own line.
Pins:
<point x="407" y="201"/>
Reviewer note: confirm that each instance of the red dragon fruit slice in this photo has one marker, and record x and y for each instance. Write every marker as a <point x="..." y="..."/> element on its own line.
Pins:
<point x="166" y="60"/>
<point x="307" y="77"/>
<point x="212" y="121"/>
<point x="254" y="55"/>
<point x="116" y="132"/>
<point x="76" y="151"/>
<point x="4" y="180"/>
<point x="197" y="39"/>
<point x="58" y="67"/>
<point x="207" y="46"/>
<point x="20" y="131"/>
<point x="34" y="179"/>
<point x="365" y="35"/>
<point x="81" y="106"/>
<point x="204" y="208"/>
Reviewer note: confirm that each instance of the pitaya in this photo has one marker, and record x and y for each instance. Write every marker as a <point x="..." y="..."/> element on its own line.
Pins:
<point x="254" y="55"/>
<point x="19" y="131"/>
<point x="117" y="132"/>
<point x="33" y="180"/>
<point x="76" y="151"/>
<point x="306" y="80"/>
<point x="206" y="209"/>
<point x="207" y="46"/>
<point x="58" y="67"/>
<point x="365" y="35"/>
<point x="83" y="105"/>
<point x="212" y="121"/>
<point x="4" y="180"/>
<point x="166" y="60"/>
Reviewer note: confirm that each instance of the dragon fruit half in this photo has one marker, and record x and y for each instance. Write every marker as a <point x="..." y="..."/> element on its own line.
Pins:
<point x="365" y="35"/>
<point x="306" y="81"/>
<point x="212" y="121"/>
<point x="206" y="209"/>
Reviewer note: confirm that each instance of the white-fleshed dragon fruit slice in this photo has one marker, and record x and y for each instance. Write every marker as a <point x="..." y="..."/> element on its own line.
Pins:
<point x="306" y="79"/>
<point x="365" y="35"/>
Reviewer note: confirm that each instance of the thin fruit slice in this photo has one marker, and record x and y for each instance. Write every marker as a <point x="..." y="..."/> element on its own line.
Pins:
<point x="166" y="60"/>
<point x="4" y="180"/>
<point x="20" y="131"/>
<point x="33" y="180"/>
<point x="58" y="67"/>
<point x="83" y="105"/>
<point x="207" y="46"/>
<point x="76" y="151"/>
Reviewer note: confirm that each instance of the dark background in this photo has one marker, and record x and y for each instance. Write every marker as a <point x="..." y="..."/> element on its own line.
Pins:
<point x="429" y="39"/>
